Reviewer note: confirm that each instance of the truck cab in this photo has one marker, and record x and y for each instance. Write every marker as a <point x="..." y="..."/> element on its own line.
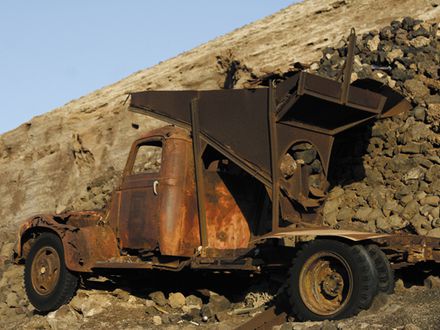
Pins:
<point x="155" y="206"/>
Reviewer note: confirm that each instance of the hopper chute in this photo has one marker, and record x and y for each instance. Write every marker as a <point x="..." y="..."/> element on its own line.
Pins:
<point x="256" y="127"/>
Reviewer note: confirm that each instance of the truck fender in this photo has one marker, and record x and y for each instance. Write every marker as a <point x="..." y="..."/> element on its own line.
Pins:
<point x="83" y="246"/>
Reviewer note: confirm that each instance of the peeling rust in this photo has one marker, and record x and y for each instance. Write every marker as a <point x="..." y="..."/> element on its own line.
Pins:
<point x="84" y="239"/>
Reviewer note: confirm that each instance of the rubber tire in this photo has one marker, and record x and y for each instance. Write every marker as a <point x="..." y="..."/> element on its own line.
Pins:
<point x="384" y="271"/>
<point x="67" y="283"/>
<point x="365" y="279"/>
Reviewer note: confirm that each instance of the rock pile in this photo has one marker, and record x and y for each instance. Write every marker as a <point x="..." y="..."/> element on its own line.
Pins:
<point x="390" y="179"/>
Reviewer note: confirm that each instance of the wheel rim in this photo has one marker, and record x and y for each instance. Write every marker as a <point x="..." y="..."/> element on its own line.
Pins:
<point x="325" y="283"/>
<point x="45" y="270"/>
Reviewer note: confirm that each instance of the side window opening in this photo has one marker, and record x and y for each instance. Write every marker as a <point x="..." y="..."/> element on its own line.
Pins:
<point x="148" y="158"/>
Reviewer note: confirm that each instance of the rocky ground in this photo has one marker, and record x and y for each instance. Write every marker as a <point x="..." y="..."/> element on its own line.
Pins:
<point x="205" y="300"/>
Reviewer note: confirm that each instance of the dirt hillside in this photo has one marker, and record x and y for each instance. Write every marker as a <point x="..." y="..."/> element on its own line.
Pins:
<point x="71" y="156"/>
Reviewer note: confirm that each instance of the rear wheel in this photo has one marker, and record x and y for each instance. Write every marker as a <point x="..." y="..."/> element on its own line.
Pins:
<point x="331" y="280"/>
<point x="384" y="271"/>
<point x="48" y="283"/>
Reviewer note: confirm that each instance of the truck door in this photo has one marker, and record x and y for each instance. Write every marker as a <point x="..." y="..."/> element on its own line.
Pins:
<point x="140" y="196"/>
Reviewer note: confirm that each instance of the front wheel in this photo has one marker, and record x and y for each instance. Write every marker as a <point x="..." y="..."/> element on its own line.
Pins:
<point x="48" y="283"/>
<point x="331" y="280"/>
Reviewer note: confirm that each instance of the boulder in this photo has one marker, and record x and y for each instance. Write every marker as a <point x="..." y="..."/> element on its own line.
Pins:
<point x="432" y="282"/>
<point x="419" y="113"/>
<point x="362" y="214"/>
<point x="12" y="299"/>
<point x="158" y="297"/>
<point x="157" y="320"/>
<point x="416" y="88"/>
<point x="193" y="301"/>
<point x="176" y="300"/>
<point x="373" y="43"/>
<point x="394" y="54"/>
<point x="345" y="214"/>
<point x="434" y="233"/>
<point x="121" y="294"/>
<point x="93" y="304"/>
<point x="391" y="224"/>
<point x="410" y="210"/>
<point x="420" y="42"/>
<point x="217" y="303"/>
<point x="308" y="156"/>
<point x="430" y="200"/>
<point x="65" y="318"/>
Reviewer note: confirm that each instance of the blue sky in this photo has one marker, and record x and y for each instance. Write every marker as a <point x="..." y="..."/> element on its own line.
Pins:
<point x="54" y="51"/>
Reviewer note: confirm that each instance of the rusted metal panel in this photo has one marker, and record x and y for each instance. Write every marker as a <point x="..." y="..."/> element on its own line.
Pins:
<point x="348" y="67"/>
<point x="198" y="165"/>
<point x="86" y="238"/>
<point x="221" y="114"/>
<point x="138" y="227"/>
<point x="179" y="233"/>
<point x="413" y="248"/>
<point x="314" y="231"/>
<point x="138" y="207"/>
<point x="274" y="158"/>
<point x="162" y="215"/>
<point x="89" y="245"/>
<point x="230" y="211"/>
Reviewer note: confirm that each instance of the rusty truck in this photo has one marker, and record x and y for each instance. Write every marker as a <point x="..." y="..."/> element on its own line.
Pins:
<point x="236" y="182"/>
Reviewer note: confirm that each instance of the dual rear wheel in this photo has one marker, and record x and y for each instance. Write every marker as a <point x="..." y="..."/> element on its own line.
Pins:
<point x="332" y="280"/>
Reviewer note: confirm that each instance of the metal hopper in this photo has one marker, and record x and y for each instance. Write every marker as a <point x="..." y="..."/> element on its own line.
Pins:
<point x="255" y="128"/>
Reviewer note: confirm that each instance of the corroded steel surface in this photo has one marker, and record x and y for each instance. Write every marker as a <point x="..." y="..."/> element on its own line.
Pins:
<point x="178" y="219"/>
<point x="315" y="231"/>
<point x="325" y="283"/>
<point x="228" y="218"/>
<point x="411" y="249"/>
<point x="45" y="270"/>
<point x="86" y="239"/>
<point x="169" y="220"/>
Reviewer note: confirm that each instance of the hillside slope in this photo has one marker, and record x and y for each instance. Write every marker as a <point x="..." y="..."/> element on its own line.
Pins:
<point x="70" y="157"/>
